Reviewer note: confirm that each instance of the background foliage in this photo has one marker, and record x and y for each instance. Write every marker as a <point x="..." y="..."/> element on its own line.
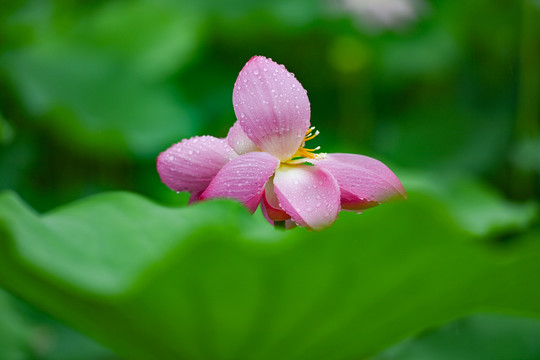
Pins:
<point x="446" y="93"/>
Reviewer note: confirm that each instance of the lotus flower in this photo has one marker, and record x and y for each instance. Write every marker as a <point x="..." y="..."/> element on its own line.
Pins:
<point x="264" y="160"/>
<point x="386" y="14"/>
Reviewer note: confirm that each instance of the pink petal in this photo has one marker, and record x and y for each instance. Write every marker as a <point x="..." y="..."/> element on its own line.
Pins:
<point x="191" y="164"/>
<point x="238" y="140"/>
<point x="310" y="195"/>
<point x="195" y="196"/>
<point x="271" y="203"/>
<point x="265" y="213"/>
<point x="243" y="179"/>
<point x="272" y="107"/>
<point x="270" y="196"/>
<point x="289" y="224"/>
<point x="364" y="181"/>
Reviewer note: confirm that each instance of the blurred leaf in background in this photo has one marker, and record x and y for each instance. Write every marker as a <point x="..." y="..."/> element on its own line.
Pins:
<point x="479" y="337"/>
<point x="26" y="333"/>
<point x="476" y="207"/>
<point x="6" y="132"/>
<point x="93" y="76"/>
<point x="526" y="155"/>
<point x="13" y="331"/>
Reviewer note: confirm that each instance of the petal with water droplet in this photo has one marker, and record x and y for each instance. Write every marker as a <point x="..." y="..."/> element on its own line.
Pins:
<point x="191" y="164"/>
<point x="364" y="182"/>
<point x="291" y="187"/>
<point x="243" y="179"/>
<point x="239" y="141"/>
<point x="275" y="125"/>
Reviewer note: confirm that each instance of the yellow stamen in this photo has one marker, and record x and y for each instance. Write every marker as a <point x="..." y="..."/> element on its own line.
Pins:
<point x="303" y="152"/>
<point x="309" y="136"/>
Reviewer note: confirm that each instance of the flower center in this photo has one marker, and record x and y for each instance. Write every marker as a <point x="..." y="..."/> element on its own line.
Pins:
<point x="302" y="153"/>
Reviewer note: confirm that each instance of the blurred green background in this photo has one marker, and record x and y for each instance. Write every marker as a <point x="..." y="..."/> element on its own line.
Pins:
<point x="446" y="93"/>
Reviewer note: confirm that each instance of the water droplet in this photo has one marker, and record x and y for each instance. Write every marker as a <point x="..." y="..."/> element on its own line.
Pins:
<point x="256" y="72"/>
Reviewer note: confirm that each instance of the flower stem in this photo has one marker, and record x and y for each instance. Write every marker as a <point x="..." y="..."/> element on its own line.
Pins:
<point x="279" y="225"/>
